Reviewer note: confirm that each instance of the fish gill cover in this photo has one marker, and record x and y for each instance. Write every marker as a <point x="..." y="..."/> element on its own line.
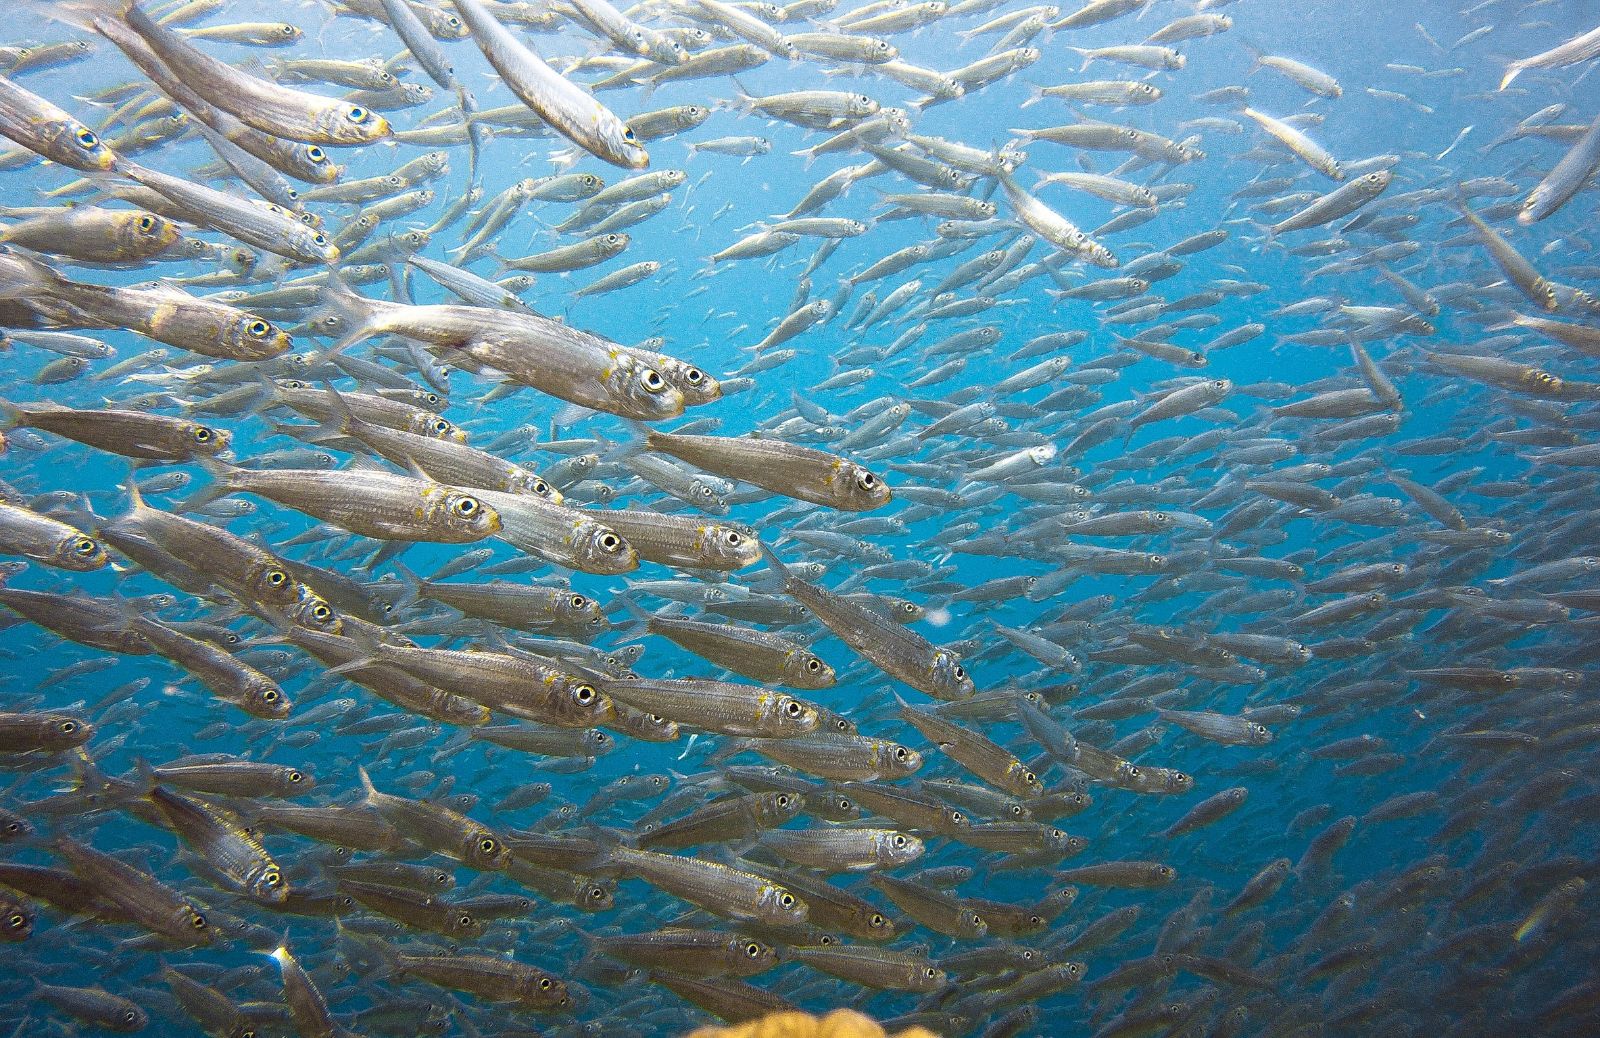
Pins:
<point x="543" y="518"/>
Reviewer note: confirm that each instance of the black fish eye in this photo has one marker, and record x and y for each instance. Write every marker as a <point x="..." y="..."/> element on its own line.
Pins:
<point x="465" y="920"/>
<point x="272" y="879"/>
<point x="259" y="328"/>
<point x="584" y="694"/>
<point x="197" y="921"/>
<point x="87" y="138"/>
<point x="783" y="800"/>
<point x="794" y="709"/>
<point x="813" y="665"/>
<point x="146" y="222"/>
<point x="876" y="920"/>
<point x="734" y="539"/>
<point x="270" y="695"/>
<point x="321" y="612"/>
<point x="85" y="546"/>
<point x="295" y="776"/>
<point x="786" y="900"/>
<point x="202" y="434"/>
<point x="866" y="480"/>
<point x="898" y="841"/>
<point x="960" y="672"/>
<point x="544" y="984"/>
<point x="17" y="920"/>
<point x="466" y="507"/>
<point x="899" y="753"/>
<point x="487" y="845"/>
<point x="694" y="376"/>
<point x="440" y="426"/>
<point x="610" y="542"/>
<point x="277" y="578"/>
<point x="68" y="727"/>
<point x="652" y="380"/>
<point x="578" y="601"/>
<point x="753" y="950"/>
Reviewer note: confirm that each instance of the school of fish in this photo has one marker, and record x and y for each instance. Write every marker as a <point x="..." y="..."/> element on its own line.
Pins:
<point x="531" y="517"/>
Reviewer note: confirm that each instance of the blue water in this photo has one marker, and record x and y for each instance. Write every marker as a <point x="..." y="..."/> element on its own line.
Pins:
<point x="1439" y="961"/>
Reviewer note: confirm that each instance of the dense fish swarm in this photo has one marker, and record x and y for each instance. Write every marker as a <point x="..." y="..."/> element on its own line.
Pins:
<point x="542" y="518"/>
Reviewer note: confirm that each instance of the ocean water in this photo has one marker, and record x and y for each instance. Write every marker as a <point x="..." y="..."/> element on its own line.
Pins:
<point x="1468" y="683"/>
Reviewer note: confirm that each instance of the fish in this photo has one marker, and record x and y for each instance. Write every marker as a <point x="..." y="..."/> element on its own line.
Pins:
<point x="903" y="654"/>
<point x="568" y="108"/>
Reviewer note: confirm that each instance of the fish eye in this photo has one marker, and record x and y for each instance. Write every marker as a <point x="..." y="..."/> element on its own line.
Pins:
<point x="960" y="672"/>
<point x="487" y="845"/>
<point x="694" y="376"/>
<point x="813" y="665"/>
<point x="202" y="434"/>
<point x="146" y="222"/>
<point x="783" y="800"/>
<point x="578" y="601"/>
<point x="357" y="115"/>
<point x="610" y="542"/>
<point x="465" y="920"/>
<point x="628" y="135"/>
<point x="753" y="950"/>
<point x="466" y="507"/>
<point x="197" y="921"/>
<point x="270" y="695"/>
<point x="584" y="694"/>
<point x="786" y="899"/>
<point x="866" y="480"/>
<point x="544" y="984"/>
<point x="85" y="546"/>
<point x="321" y="612"/>
<point x="1134" y="771"/>
<point x="68" y="727"/>
<point x="876" y="920"/>
<point x="898" y="841"/>
<point x="1029" y="777"/>
<point x="16" y="920"/>
<point x="86" y="137"/>
<point x="295" y="776"/>
<point x="258" y="328"/>
<point x="652" y="380"/>
<point x="794" y="709"/>
<point x="900" y="753"/>
<point x="734" y="539"/>
<point x="272" y="879"/>
<point x="541" y="488"/>
<point x="277" y="578"/>
<point x="957" y="817"/>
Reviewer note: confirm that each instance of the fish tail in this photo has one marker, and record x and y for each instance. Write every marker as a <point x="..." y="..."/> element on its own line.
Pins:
<point x="776" y="563"/>
<point x="1513" y="70"/>
<point x="367" y="787"/>
<point x="81" y="14"/>
<point x="224" y="481"/>
<point x="338" y="295"/>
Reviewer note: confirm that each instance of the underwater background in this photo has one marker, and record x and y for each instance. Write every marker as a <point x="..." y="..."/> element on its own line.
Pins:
<point x="1426" y="766"/>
